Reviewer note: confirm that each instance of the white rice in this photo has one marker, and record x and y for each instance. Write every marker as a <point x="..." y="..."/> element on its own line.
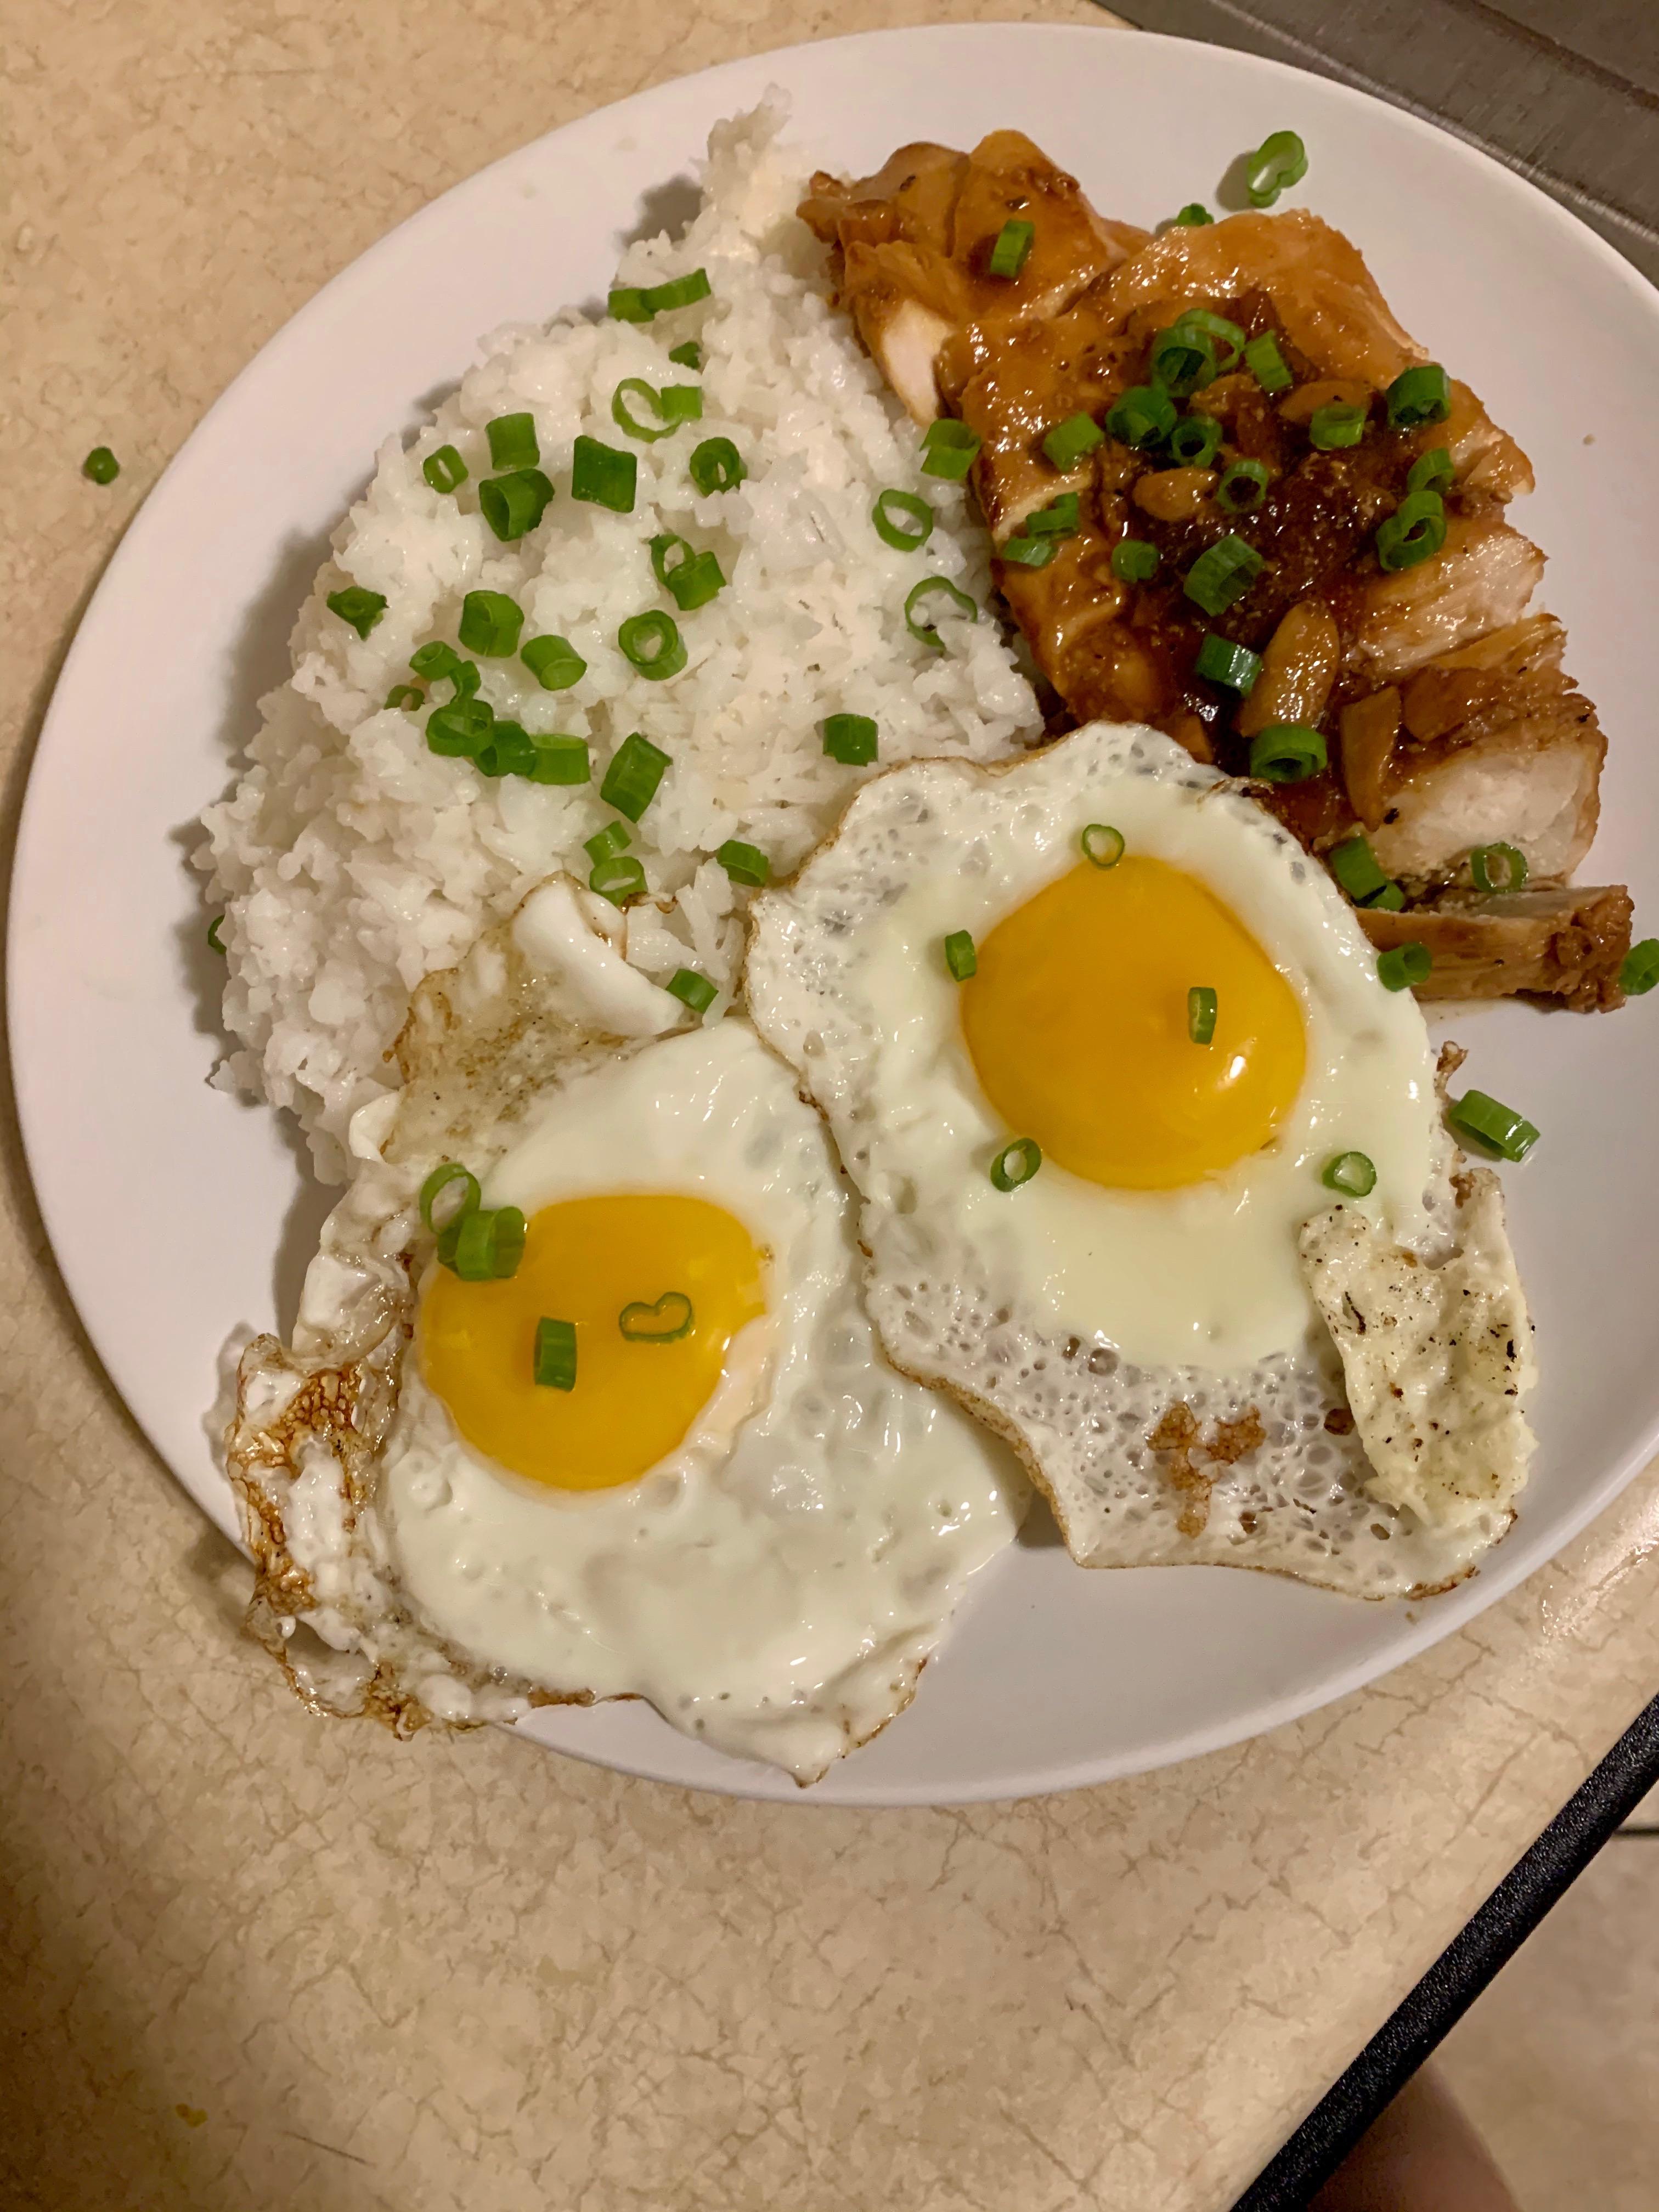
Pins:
<point x="351" y="860"/>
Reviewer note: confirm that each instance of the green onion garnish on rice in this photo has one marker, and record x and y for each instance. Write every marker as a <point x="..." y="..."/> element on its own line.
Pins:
<point x="213" y="937"/>
<point x="512" y="441"/>
<point x="888" y="506"/>
<point x="514" y="504"/>
<point x="618" y="880"/>
<point x="361" y="609"/>
<point x="948" y="449"/>
<point x="692" y="989"/>
<point x="678" y="292"/>
<point x="716" y="466"/>
<point x="652" y="643"/>
<point x="603" y="476"/>
<point x="630" y="781"/>
<point x="554" y="662"/>
<point x="674" y="404"/>
<point x="491" y="622"/>
<point x="926" y="631"/>
<point x="445" y="471"/>
<point x="558" y="758"/>
<point x="850" y="739"/>
<point x="461" y="730"/>
<point x="745" y="864"/>
<point x="440" y="663"/>
<point x="406" y="697"/>
<point x="689" y="356"/>
<point x="605" y="843"/>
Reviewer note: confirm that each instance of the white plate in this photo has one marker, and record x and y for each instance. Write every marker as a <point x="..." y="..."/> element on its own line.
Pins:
<point x="175" y="1212"/>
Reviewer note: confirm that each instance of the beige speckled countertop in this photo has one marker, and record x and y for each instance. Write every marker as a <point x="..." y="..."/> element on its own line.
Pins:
<point x="253" y="1960"/>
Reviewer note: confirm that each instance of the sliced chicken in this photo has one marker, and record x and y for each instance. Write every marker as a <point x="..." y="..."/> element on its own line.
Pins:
<point x="1563" y="942"/>
<point x="1430" y="752"/>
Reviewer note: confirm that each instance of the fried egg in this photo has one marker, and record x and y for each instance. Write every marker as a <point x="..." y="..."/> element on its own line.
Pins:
<point x="1143" y="1316"/>
<point x="733" y="1506"/>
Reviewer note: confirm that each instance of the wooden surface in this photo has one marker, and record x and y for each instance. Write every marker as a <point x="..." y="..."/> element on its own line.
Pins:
<point x="251" y="1960"/>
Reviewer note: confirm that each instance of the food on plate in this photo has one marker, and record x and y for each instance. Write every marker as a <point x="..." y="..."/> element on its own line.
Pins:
<point x="1154" y="1175"/>
<point x="632" y="1438"/>
<point x="1232" y="497"/>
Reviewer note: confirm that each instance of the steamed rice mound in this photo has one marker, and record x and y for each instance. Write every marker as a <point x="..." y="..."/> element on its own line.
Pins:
<point x="352" y="861"/>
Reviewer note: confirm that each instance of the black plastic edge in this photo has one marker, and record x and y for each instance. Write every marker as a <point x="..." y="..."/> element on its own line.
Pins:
<point x="1470" y="1962"/>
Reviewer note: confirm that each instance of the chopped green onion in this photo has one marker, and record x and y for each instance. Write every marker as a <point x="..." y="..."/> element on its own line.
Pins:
<point x="445" y="471"/>
<point x="1352" y="1173"/>
<point x="100" y="465"/>
<point x="1266" y="364"/>
<point x="850" y="739"/>
<point x="1193" y="215"/>
<point x="1221" y="662"/>
<point x="440" y="664"/>
<point x="1195" y="441"/>
<point x="443" y="1179"/>
<point x="960" y="957"/>
<point x="689" y="356"/>
<point x="629" y="303"/>
<point x="745" y="864"/>
<point x="361" y="608"/>
<point x="1134" y="560"/>
<point x="1287" y="753"/>
<point x="618" y="880"/>
<point x="925" y="632"/>
<point x="512" y="441"/>
<point x="678" y="292"/>
<point x="1432" y="471"/>
<point x="890" y="503"/>
<point x="514" y="504"/>
<point x="556" y="1354"/>
<point x="1223" y="572"/>
<point x="1496" y="1127"/>
<point x="1414" y="531"/>
<point x="647" y="432"/>
<point x="662" y="547"/>
<point x="490" y="623"/>
<point x="559" y="758"/>
<point x="1073" y="441"/>
<point x="681" y="403"/>
<point x="461" y="730"/>
<point x="652" y="644"/>
<point x="1404" y="966"/>
<point x="1061" y="518"/>
<point x="1017" y="1162"/>
<point x="1013" y="243"/>
<point x="490" y="1245"/>
<point x="635" y="770"/>
<point x="219" y="945"/>
<point x="665" y="1322"/>
<point x="1183" y="360"/>
<point x="1389" y="899"/>
<point x="1340" y="424"/>
<point x="510" y="750"/>
<point x="604" y="475"/>
<point x="406" y="696"/>
<point x="554" y="662"/>
<point x="1243" y="485"/>
<point x="695" y="582"/>
<point x="948" y="449"/>
<point x="1218" y="328"/>
<point x="1356" y="869"/>
<point x="1497" y="867"/>
<point x="715" y="465"/>
<point x="1102" y="844"/>
<point x="1639" y="971"/>
<point x="1144" y="415"/>
<point x="1201" y="1014"/>
<point x="1280" y="160"/>
<point x="606" y="842"/>
<point x="692" y="989"/>
<point x="1028" y="552"/>
<point x="1420" y="395"/>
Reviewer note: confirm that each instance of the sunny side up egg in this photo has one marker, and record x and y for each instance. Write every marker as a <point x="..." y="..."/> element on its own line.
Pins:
<point x="728" y="1503"/>
<point x="1136" y="1315"/>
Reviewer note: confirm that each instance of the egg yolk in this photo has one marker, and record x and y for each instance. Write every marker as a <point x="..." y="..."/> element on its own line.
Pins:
<point x="584" y="1261"/>
<point x="1076" y="1021"/>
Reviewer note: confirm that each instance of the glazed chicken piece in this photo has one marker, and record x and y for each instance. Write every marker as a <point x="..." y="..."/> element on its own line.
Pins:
<point x="1448" y="721"/>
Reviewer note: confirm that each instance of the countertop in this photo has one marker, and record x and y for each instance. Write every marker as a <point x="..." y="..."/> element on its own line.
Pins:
<point x="251" y="1960"/>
